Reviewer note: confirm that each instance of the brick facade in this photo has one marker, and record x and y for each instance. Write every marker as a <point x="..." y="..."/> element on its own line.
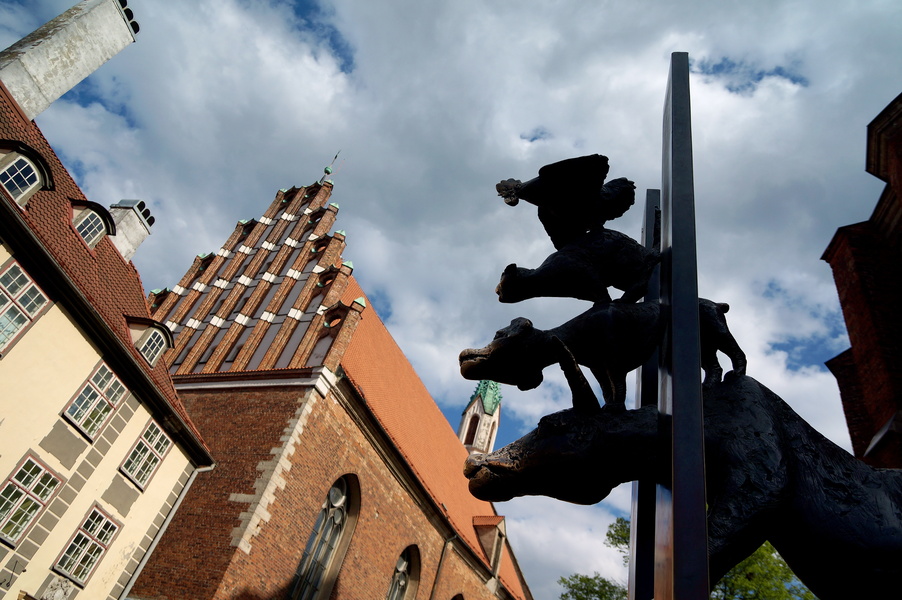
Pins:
<point x="865" y="258"/>
<point x="295" y="383"/>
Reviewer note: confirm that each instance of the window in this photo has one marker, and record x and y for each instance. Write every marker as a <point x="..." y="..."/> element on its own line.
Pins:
<point x="147" y="454"/>
<point x="95" y="401"/>
<point x="404" y="580"/>
<point x="327" y="542"/>
<point x="23" y="496"/>
<point x="152" y="346"/>
<point x="90" y="227"/>
<point x="20" y="178"/>
<point x="87" y="546"/>
<point x="20" y="302"/>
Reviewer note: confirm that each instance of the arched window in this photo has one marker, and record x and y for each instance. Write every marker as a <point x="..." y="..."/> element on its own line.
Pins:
<point x="152" y="345"/>
<point x="327" y="542"/>
<point x="471" y="430"/>
<point x="406" y="576"/>
<point x="90" y="227"/>
<point x="19" y="177"/>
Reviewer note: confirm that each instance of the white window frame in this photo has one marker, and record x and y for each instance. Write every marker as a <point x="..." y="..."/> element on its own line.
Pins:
<point x="30" y="487"/>
<point x="90" y="226"/>
<point x="146" y="455"/>
<point x="21" y="302"/>
<point x="14" y="164"/>
<point x="96" y="401"/>
<point x="88" y="546"/>
<point x="152" y="345"/>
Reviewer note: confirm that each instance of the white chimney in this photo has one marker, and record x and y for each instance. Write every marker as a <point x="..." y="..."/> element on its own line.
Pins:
<point x="57" y="56"/>
<point x="133" y="223"/>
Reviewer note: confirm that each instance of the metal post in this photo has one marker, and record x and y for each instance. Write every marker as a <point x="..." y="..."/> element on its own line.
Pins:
<point x="642" y="532"/>
<point x="681" y="557"/>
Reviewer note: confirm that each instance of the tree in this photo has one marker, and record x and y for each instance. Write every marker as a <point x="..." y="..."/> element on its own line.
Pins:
<point x="762" y="576"/>
<point x="596" y="587"/>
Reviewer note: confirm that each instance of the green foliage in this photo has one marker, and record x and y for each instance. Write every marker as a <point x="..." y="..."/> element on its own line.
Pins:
<point x="762" y="576"/>
<point x="596" y="587"/>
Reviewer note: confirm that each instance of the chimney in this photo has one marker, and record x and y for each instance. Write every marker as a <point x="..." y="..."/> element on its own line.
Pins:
<point x="53" y="59"/>
<point x="133" y="223"/>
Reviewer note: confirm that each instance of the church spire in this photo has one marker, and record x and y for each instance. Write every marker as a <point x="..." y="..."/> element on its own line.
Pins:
<point x="479" y="423"/>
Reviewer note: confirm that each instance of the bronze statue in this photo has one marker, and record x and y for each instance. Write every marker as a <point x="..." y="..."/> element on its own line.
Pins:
<point x="611" y="339"/>
<point x="584" y="269"/>
<point x="770" y="476"/>
<point x="572" y="196"/>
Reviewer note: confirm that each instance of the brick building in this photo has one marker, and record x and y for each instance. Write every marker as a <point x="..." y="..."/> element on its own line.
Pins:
<point x="866" y="259"/>
<point x="337" y="474"/>
<point x="96" y="449"/>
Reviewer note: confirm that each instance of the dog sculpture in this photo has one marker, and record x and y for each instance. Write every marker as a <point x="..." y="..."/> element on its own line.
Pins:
<point x="770" y="476"/>
<point x="610" y="339"/>
<point x="584" y="269"/>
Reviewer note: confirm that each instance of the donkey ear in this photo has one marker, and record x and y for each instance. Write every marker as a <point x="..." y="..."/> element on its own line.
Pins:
<point x="584" y="399"/>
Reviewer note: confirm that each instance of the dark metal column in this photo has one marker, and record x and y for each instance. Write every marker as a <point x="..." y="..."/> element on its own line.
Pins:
<point x="642" y="530"/>
<point x="681" y="557"/>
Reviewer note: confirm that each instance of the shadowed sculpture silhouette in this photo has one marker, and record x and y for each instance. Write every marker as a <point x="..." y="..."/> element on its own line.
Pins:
<point x="770" y="476"/>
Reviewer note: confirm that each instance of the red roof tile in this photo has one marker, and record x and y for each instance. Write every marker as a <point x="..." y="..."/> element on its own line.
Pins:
<point x="110" y="283"/>
<point x="400" y="402"/>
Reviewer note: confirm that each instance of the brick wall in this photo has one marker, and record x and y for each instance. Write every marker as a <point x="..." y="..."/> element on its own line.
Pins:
<point x="246" y="429"/>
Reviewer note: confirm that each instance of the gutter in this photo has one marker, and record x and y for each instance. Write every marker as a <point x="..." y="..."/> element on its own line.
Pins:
<point x="29" y="250"/>
<point x="163" y="527"/>
<point x="441" y="562"/>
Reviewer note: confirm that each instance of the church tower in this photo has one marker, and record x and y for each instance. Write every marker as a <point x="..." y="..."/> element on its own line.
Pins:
<point x="479" y="423"/>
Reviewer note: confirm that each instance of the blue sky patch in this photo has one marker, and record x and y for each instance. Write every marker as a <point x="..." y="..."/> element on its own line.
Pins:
<point x="539" y="133"/>
<point x="315" y="20"/>
<point x="743" y="78"/>
<point x="381" y="303"/>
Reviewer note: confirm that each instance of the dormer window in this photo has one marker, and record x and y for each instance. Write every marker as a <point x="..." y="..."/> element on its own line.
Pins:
<point x="92" y="221"/>
<point x="19" y="177"/>
<point x="90" y="227"/>
<point x="151" y="339"/>
<point x="152" y="346"/>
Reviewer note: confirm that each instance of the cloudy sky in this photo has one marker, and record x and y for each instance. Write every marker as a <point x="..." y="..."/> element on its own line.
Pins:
<point x="223" y="102"/>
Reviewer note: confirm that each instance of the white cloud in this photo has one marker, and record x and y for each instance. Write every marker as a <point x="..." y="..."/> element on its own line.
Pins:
<point x="220" y="103"/>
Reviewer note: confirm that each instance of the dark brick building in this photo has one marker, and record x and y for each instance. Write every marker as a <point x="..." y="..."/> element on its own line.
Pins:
<point x="337" y="475"/>
<point x="866" y="259"/>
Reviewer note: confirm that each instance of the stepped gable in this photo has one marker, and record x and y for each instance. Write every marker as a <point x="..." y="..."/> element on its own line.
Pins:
<point x="269" y="298"/>
<point x="419" y="430"/>
<point x="106" y="280"/>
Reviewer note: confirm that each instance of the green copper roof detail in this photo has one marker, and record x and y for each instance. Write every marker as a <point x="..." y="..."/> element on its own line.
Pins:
<point x="341" y="231"/>
<point x="283" y="190"/>
<point x="348" y="264"/>
<point x="335" y="204"/>
<point x="361" y="301"/>
<point x="244" y="221"/>
<point x="490" y="392"/>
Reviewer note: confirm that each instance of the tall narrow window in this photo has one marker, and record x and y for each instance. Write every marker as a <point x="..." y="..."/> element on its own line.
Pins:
<point x="20" y="302"/>
<point x="327" y="542"/>
<point x="88" y="545"/>
<point x="95" y="401"/>
<point x="471" y="430"/>
<point x="147" y="455"/>
<point x="407" y="571"/>
<point x="19" y="178"/>
<point x="23" y="496"/>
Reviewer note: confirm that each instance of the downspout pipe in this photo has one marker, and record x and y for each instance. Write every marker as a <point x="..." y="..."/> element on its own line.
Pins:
<point x="441" y="562"/>
<point x="163" y="527"/>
